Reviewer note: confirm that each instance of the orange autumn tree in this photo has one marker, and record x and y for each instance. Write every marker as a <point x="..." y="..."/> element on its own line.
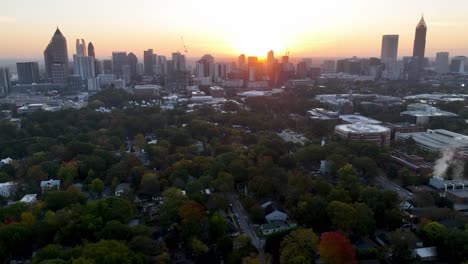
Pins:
<point x="335" y="248"/>
<point x="191" y="214"/>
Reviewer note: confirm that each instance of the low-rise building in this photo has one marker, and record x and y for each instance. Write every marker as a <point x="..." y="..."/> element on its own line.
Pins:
<point x="29" y="198"/>
<point x="437" y="140"/>
<point x="50" y="185"/>
<point x="217" y="92"/>
<point x="423" y="114"/>
<point x="323" y="114"/>
<point x="7" y="189"/>
<point x="412" y="162"/>
<point x="146" y="90"/>
<point x="353" y="119"/>
<point x="373" y="133"/>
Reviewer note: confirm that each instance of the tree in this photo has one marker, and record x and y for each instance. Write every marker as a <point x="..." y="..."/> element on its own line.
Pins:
<point x="191" y="214"/>
<point x="173" y="199"/>
<point x="335" y="248"/>
<point x="342" y="216"/>
<point x="312" y="212"/>
<point x="218" y="226"/>
<point x="252" y="259"/>
<point x="365" y="225"/>
<point x="198" y="247"/>
<point x="56" y="200"/>
<point x="403" y="244"/>
<point x="299" y="247"/>
<point x="435" y="233"/>
<point x="96" y="186"/>
<point x="140" y="141"/>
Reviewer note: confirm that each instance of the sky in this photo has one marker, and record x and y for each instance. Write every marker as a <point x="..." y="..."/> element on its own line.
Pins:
<point x="304" y="28"/>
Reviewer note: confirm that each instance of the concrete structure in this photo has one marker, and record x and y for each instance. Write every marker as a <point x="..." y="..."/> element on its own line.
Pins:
<point x="29" y="198"/>
<point x="419" y="47"/>
<point x="323" y="114"/>
<point x="7" y="189"/>
<point x="376" y="134"/>
<point x="436" y="140"/>
<point x="353" y="119"/>
<point x="403" y="128"/>
<point x="328" y="67"/>
<point x="119" y="59"/>
<point x="28" y="72"/>
<point x="412" y="162"/>
<point x="149" y="60"/>
<point x="422" y="114"/>
<point x="84" y="66"/>
<point x="389" y="50"/>
<point x="217" y="92"/>
<point x="147" y="90"/>
<point x="56" y="59"/>
<point x="442" y="62"/>
<point x="5" y="82"/>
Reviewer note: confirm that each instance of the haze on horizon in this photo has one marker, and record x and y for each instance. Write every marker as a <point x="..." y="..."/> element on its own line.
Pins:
<point x="305" y="28"/>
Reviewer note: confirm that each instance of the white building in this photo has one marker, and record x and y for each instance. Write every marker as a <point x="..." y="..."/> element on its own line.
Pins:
<point x="372" y="133"/>
<point x="458" y="64"/>
<point x="29" y="198"/>
<point x="422" y="113"/>
<point x="7" y="189"/>
<point x="50" y="185"/>
<point x="93" y="84"/>
<point x="436" y="140"/>
<point x="84" y="66"/>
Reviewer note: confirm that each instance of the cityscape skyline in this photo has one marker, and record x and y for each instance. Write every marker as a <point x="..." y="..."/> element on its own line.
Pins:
<point x="302" y="32"/>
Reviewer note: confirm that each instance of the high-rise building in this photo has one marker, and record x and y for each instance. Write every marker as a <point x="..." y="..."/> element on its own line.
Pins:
<point x="419" y="48"/>
<point x="119" y="59"/>
<point x="107" y="66"/>
<point x="133" y="65"/>
<point x="81" y="48"/>
<point x="84" y="66"/>
<point x="28" y="72"/>
<point x="179" y="61"/>
<point x="56" y="59"/>
<point x="442" y="62"/>
<point x="149" y="60"/>
<point x="301" y="70"/>
<point x="458" y="64"/>
<point x="328" y="66"/>
<point x="5" y="82"/>
<point x="270" y="58"/>
<point x="241" y="61"/>
<point x="252" y="61"/>
<point x="91" y="51"/>
<point x="205" y="66"/>
<point x="285" y="59"/>
<point x="389" y="48"/>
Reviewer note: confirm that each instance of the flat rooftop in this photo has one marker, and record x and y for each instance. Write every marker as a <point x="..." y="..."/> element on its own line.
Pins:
<point x="438" y="139"/>
<point x="363" y="128"/>
<point x="352" y="119"/>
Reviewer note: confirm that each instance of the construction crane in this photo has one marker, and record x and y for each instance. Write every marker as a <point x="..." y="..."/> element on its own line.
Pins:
<point x="183" y="44"/>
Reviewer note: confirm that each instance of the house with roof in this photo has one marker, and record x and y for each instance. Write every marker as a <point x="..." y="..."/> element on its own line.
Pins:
<point x="273" y="213"/>
<point x="50" y="185"/>
<point x="122" y="188"/>
<point x="29" y="198"/>
<point x="7" y="189"/>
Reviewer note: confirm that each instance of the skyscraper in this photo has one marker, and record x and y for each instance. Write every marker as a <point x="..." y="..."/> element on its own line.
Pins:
<point x="107" y="66"/>
<point x="442" y="62"/>
<point x="270" y="57"/>
<point x="149" y="60"/>
<point x="119" y="59"/>
<point x="28" y="72"/>
<point x="458" y="64"/>
<point x="5" y="83"/>
<point x="81" y="48"/>
<point x="419" y="48"/>
<point x="241" y="61"/>
<point x="389" y="48"/>
<point x="132" y="61"/>
<point x="91" y="51"/>
<point x="205" y="66"/>
<point x="56" y="58"/>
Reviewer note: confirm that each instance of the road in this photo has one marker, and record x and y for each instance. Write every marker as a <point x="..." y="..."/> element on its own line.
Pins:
<point x="389" y="185"/>
<point x="243" y="220"/>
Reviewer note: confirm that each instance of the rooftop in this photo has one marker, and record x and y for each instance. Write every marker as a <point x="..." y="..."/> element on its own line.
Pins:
<point x="437" y="139"/>
<point x="353" y="119"/>
<point x="363" y="128"/>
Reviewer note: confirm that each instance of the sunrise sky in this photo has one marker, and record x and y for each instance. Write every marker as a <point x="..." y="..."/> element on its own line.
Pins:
<point x="227" y="28"/>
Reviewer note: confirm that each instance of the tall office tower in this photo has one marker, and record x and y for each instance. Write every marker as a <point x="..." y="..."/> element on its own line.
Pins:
<point x="389" y="48"/>
<point x="149" y="60"/>
<point x="301" y="70"/>
<point x="270" y="58"/>
<point x="132" y="61"/>
<point x="389" y="56"/>
<point x="328" y="66"/>
<point x="56" y="58"/>
<point x="91" y="51"/>
<point x="107" y="66"/>
<point x="119" y="59"/>
<point x="179" y="61"/>
<point x="5" y="82"/>
<point x="442" y="62"/>
<point x="458" y="64"/>
<point x="205" y="66"/>
<point x="84" y="66"/>
<point x="285" y="59"/>
<point x="241" y="61"/>
<point x="28" y="72"/>
<point x="308" y="62"/>
<point x="221" y="70"/>
<point x="252" y="61"/>
<point x="420" y="42"/>
<point x="81" y="48"/>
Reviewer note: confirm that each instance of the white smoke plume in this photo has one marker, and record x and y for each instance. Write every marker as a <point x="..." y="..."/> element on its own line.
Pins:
<point x="447" y="161"/>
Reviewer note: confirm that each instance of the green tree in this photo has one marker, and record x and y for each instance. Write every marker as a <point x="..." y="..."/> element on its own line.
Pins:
<point x="365" y="225"/>
<point x="218" y="226"/>
<point x="299" y="246"/>
<point x="342" y="216"/>
<point x="96" y="186"/>
<point x="403" y="244"/>
<point x="435" y="233"/>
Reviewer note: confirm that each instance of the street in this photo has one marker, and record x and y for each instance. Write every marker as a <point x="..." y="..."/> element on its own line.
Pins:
<point x="389" y="185"/>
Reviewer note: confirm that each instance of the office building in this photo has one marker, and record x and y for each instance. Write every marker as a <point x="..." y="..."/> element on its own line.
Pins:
<point x="423" y="114"/>
<point x="389" y="50"/>
<point x="205" y="67"/>
<point x="132" y="61"/>
<point x="442" y="62"/>
<point x="458" y="64"/>
<point x="91" y="51"/>
<point x="241" y="61"/>
<point x="270" y="57"/>
<point x="5" y="82"/>
<point x="107" y="67"/>
<point x="437" y="140"/>
<point x="419" y="47"/>
<point x="149" y="61"/>
<point x="376" y="134"/>
<point x="56" y="59"/>
<point x="81" y="48"/>
<point x="351" y="66"/>
<point x="301" y="70"/>
<point x="328" y="67"/>
<point x="28" y="72"/>
<point x="119" y="59"/>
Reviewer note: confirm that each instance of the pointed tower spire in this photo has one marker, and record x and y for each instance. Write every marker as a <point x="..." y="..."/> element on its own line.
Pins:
<point x="422" y="23"/>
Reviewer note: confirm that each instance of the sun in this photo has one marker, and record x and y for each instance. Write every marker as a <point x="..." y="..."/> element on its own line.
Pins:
<point x="255" y="42"/>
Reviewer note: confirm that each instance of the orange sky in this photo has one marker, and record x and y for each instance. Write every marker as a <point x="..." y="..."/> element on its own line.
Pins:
<point x="305" y="28"/>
